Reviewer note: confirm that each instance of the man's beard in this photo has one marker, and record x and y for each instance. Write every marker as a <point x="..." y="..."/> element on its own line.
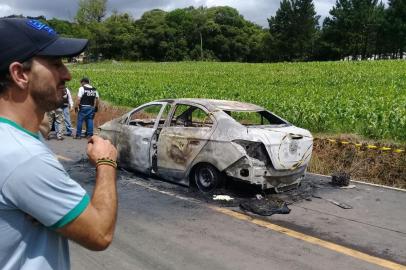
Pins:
<point x="47" y="98"/>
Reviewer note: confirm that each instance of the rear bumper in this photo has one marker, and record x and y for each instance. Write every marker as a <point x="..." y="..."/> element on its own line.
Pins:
<point x="265" y="176"/>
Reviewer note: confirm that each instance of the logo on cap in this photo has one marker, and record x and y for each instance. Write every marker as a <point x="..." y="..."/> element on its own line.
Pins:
<point x="41" y="26"/>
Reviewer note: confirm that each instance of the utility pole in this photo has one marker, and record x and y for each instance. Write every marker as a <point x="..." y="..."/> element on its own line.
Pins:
<point x="201" y="46"/>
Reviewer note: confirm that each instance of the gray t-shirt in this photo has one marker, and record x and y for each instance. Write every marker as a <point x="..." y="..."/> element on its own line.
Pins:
<point x="34" y="185"/>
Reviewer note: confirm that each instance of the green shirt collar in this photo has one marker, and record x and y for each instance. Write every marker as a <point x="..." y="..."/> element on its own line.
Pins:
<point x="17" y="126"/>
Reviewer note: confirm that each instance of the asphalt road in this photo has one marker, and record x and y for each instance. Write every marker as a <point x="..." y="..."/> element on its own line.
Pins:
<point x="162" y="225"/>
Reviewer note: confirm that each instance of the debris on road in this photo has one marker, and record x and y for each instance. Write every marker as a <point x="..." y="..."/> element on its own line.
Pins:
<point x="339" y="204"/>
<point x="348" y="187"/>
<point x="303" y="192"/>
<point x="222" y="198"/>
<point x="265" y="207"/>
<point x="340" y="179"/>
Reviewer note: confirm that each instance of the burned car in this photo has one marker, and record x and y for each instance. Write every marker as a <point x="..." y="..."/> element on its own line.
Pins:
<point x="205" y="141"/>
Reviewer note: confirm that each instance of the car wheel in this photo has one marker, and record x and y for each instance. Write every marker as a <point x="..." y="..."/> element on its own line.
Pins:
<point x="207" y="178"/>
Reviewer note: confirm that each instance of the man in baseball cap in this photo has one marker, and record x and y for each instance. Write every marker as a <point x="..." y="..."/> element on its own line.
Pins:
<point x="40" y="205"/>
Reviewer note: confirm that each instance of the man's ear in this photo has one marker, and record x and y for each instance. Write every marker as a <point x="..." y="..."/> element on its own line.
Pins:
<point x="18" y="75"/>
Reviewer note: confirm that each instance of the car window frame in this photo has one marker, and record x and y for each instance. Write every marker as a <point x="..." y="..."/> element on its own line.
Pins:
<point x="205" y="110"/>
<point x="159" y="115"/>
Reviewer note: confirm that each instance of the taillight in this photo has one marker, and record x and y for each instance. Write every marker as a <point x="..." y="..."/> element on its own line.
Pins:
<point x="255" y="150"/>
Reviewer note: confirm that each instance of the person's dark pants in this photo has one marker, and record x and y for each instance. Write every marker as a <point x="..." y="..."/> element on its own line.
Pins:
<point x="86" y="113"/>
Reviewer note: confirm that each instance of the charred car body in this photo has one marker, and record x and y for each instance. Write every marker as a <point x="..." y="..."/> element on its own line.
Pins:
<point x="202" y="140"/>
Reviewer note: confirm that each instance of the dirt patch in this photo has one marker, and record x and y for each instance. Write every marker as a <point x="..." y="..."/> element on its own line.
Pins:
<point x="105" y="113"/>
<point x="369" y="165"/>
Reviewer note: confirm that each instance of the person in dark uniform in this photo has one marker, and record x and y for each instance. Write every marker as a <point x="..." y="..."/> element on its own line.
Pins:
<point x="88" y="100"/>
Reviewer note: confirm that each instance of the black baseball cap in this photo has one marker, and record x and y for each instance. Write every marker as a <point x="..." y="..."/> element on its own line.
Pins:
<point x="23" y="38"/>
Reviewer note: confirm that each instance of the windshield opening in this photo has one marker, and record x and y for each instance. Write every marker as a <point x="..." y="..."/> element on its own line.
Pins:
<point x="256" y="118"/>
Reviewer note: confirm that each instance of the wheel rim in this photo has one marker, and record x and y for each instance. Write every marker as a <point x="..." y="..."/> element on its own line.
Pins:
<point x="205" y="177"/>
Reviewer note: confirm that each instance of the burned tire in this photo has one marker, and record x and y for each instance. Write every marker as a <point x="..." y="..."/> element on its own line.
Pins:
<point x="207" y="178"/>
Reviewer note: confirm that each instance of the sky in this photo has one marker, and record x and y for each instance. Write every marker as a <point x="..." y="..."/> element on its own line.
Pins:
<point x="256" y="11"/>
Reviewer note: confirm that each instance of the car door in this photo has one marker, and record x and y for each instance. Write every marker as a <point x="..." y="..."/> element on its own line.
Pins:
<point x="137" y="135"/>
<point x="184" y="136"/>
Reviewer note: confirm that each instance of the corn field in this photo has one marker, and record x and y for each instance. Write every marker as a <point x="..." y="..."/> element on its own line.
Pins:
<point x="365" y="98"/>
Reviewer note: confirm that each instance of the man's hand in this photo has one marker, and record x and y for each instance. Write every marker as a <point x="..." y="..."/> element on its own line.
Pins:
<point x="94" y="227"/>
<point x="100" y="148"/>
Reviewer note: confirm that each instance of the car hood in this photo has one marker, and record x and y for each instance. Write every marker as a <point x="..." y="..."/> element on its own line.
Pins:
<point x="288" y="147"/>
<point x="112" y="125"/>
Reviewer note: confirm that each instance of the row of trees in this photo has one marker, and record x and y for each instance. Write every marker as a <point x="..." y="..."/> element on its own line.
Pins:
<point x="356" y="29"/>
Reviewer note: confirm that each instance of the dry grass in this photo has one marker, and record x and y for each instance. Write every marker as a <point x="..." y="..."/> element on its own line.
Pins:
<point x="379" y="167"/>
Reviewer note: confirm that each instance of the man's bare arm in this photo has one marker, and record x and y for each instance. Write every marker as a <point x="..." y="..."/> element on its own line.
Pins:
<point x="94" y="228"/>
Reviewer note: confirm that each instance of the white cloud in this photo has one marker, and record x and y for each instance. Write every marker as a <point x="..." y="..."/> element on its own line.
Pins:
<point x="5" y="10"/>
<point x="4" y="7"/>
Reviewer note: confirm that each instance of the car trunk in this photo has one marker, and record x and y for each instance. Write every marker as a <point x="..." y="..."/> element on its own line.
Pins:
<point x="288" y="147"/>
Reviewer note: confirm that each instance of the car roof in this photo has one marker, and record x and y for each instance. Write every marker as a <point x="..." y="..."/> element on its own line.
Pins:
<point x="213" y="104"/>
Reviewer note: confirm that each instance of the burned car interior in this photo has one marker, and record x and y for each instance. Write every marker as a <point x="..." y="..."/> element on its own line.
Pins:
<point x="146" y="117"/>
<point x="190" y="116"/>
<point x="256" y="118"/>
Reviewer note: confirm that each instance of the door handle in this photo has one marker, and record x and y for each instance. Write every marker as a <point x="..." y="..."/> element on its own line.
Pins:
<point x="145" y="139"/>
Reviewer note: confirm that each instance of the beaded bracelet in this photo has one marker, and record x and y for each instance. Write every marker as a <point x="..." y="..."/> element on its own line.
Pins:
<point x="106" y="161"/>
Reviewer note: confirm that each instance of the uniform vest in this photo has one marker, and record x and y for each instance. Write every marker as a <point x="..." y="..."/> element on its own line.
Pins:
<point x="89" y="95"/>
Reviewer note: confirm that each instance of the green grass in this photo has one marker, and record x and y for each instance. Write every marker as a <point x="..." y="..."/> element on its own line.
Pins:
<point x="365" y="98"/>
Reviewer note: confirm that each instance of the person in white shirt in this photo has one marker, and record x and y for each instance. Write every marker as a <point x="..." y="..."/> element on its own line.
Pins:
<point x="67" y="107"/>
